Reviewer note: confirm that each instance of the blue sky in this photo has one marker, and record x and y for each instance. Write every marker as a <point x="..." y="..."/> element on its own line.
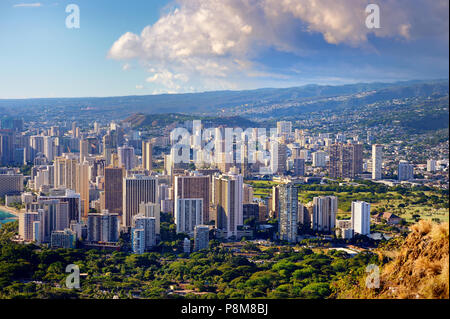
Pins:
<point x="150" y="47"/>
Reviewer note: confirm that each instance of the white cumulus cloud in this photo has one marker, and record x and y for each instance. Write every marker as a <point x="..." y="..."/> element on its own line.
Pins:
<point x="211" y="44"/>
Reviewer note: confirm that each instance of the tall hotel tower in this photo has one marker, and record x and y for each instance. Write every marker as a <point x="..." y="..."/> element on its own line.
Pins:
<point x="377" y="161"/>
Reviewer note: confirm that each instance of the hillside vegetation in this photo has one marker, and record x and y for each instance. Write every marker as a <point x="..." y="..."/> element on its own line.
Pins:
<point x="418" y="269"/>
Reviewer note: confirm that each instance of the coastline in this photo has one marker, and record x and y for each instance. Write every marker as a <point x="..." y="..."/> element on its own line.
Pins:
<point x="10" y="211"/>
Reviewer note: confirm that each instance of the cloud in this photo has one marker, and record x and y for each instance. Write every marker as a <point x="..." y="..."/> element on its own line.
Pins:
<point x="126" y="67"/>
<point x="33" y="5"/>
<point x="216" y="43"/>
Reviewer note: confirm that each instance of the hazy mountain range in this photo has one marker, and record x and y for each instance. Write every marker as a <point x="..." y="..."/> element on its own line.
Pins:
<point x="252" y="103"/>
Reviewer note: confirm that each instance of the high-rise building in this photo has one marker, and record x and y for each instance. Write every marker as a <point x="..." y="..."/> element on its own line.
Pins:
<point x="127" y="158"/>
<point x="147" y="155"/>
<point x="188" y="214"/>
<point x="304" y="215"/>
<point x="114" y="189"/>
<point x="36" y="145"/>
<point x="324" y="213"/>
<point x="82" y="186"/>
<point x="152" y="210"/>
<point x="248" y="194"/>
<point x="65" y="196"/>
<point x="250" y="211"/>
<point x="186" y="246"/>
<point x="52" y="214"/>
<point x="11" y="184"/>
<point x="201" y="237"/>
<point x="148" y="225"/>
<point x="274" y="207"/>
<point x="49" y="148"/>
<point x="278" y="157"/>
<point x="344" y="229"/>
<point x="284" y="128"/>
<point x="103" y="227"/>
<point x="431" y="165"/>
<point x="84" y="150"/>
<point x="405" y="171"/>
<point x="318" y="159"/>
<point x="66" y="171"/>
<point x="288" y="212"/>
<point x="137" y="189"/>
<point x="346" y="160"/>
<point x="193" y="186"/>
<point x="299" y="167"/>
<point x="7" y="138"/>
<point x="63" y="239"/>
<point x="377" y="161"/>
<point x="26" y="220"/>
<point x="263" y="212"/>
<point x="138" y="240"/>
<point x="228" y="198"/>
<point x="361" y="217"/>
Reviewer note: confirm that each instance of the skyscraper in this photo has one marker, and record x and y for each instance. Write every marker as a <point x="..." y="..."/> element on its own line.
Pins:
<point x="52" y="214"/>
<point x="11" y="184"/>
<point x="6" y="147"/>
<point x="299" y="167"/>
<point x="82" y="186"/>
<point x="405" y="171"/>
<point x="138" y="240"/>
<point x="63" y="239"/>
<point x="127" y="158"/>
<point x="66" y="196"/>
<point x="84" y="150"/>
<point x="188" y="214"/>
<point x="278" y="156"/>
<point x="103" y="227"/>
<point x="26" y="220"/>
<point x="284" y="128"/>
<point x="136" y="190"/>
<point x="201" y="237"/>
<point x="318" y="159"/>
<point x="66" y="171"/>
<point x="147" y="155"/>
<point x="148" y="225"/>
<point x="275" y="200"/>
<point x="288" y="212"/>
<point x="248" y="194"/>
<point x="345" y="160"/>
<point x="377" y="161"/>
<point x="193" y="186"/>
<point x="49" y="148"/>
<point x="431" y="166"/>
<point x="324" y="213"/>
<point x="361" y="217"/>
<point x="152" y="210"/>
<point x="114" y="189"/>
<point x="228" y="198"/>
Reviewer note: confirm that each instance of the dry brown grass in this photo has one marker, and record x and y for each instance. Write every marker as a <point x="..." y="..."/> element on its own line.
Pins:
<point x="418" y="269"/>
<point x="421" y="268"/>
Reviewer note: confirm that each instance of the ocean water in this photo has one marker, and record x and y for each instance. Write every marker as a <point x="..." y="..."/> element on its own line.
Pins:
<point x="5" y="217"/>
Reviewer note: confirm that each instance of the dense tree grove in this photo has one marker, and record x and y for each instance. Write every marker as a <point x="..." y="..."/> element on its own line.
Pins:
<point x="28" y="271"/>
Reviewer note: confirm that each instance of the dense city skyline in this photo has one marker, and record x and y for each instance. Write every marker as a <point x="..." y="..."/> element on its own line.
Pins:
<point x="248" y="152"/>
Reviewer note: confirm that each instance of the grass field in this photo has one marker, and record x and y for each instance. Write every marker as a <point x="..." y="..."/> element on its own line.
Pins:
<point x="427" y="204"/>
